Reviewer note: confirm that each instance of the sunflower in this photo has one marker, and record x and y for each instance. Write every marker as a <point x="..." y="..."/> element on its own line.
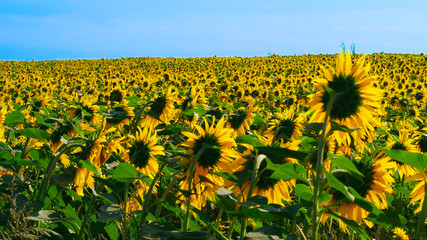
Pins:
<point x="217" y="154"/>
<point x="88" y="112"/>
<point x="276" y="191"/>
<point x="241" y="119"/>
<point x="373" y="187"/>
<point x="287" y="126"/>
<point x="400" y="234"/>
<point x="418" y="193"/>
<point x="162" y="109"/>
<point x="402" y="142"/>
<point x="357" y="100"/>
<point x="143" y="148"/>
<point x="97" y="150"/>
<point x="119" y="116"/>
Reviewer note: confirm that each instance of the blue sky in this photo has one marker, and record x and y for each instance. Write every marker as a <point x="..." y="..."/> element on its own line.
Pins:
<point x="55" y="29"/>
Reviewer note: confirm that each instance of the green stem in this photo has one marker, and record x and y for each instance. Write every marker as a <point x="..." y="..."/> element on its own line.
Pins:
<point x="51" y="166"/>
<point x="24" y="150"/>
<point x="164" y="195"/>
<point x="318" y="174"/>
<point x="190" y="189"/>
<point x="89" y="210"/>
<point x="231" y="229"/>
<point x="254" y="181"/>
<point x="136" y="118"/>
<point x="421" y="220"/>
<point x="147" y="195"/>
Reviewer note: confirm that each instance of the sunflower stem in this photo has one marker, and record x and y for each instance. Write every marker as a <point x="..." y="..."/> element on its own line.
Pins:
<point x="164" y="195"/>
<point x="254" y="181"/>
<point x="51" y="166"/>
<point x="190" y="189"/>
<point x="319" y="163"/>
<point x="148" y="194"/>
<point x="421" y="220"/>
<point x="89" y="210"/>
<point x="231" y="228"/>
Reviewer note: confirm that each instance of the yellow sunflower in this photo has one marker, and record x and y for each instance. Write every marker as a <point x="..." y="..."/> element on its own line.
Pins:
<point x="97" y="151"/>
<point x="377" y="182"/>
<point x="400" y="234"/>
<point x="162" y="110"/>
<point x="216" y="145"/>
<point x="143" y="148"/>
<point x="286" y="126"/>
<point x="88" y="112"/>
<point x="276" y="191"/>
<point x="241" y="119"/>
<point x="418" y="193"/>
<point x="357" y="100"/>
<point x="402" y="142"/>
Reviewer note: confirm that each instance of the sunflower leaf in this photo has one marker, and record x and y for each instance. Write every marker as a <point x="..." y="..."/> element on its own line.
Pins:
<point x="343" y="163"/>
<point x="125" y="172"/>
<point x="249" y="140"/>
<point x="14" y="118"/>
<point x="336" y="184"/>
<point x="304" y="192"/>
<point x="258" y="121"/>
<point x="288" y="171"/>
<point x="89" y="166"/>
<point x="338" y="127"/>
<point x="317" y="127"/>
<point x="226" y="199"/>
<point x="416" y="160"/>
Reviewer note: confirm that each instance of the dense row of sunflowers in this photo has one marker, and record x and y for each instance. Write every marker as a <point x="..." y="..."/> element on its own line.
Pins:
<point x="298" y="146"/>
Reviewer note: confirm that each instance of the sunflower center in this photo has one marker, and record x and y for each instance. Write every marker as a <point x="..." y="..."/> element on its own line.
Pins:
<point x="422" y="142"/>
<point x="157" y="106"/>
<point x="398" y="146"/>
<point x="139" y="154"/>
<point x="348" y="100"/>
<point x="116" y="96"/>
<point x="211" y="153"/>
<point x="285" y="129"/>
<point x="237" y="119"/>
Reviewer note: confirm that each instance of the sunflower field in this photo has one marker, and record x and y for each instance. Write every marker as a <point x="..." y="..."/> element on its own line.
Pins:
<point x="277" y="147"/>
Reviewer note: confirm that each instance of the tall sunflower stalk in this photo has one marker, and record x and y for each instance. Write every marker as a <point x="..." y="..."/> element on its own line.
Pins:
<point x="348" y="97"/>
<point x="318" y="187"/>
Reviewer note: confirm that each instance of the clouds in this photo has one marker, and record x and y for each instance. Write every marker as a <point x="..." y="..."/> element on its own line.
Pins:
<point x="94" y="29"/>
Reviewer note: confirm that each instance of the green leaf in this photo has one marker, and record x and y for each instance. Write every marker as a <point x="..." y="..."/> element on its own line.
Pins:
<point x="388" y="217"/>
<point x="337" y="127"/>
<point x="416" y="160"/>
<point x="89" y="166"/>
<point x="343" y="163"/>
<point x="170" y="131"/>
<point x="34" y="133"/>
<point x="226" y="199"/>
<point x="125" y="172"/>
<point x="335" y="183"/>
<point x="279" y="152"/>
<point x="46" y="215"/>
<point x="265" y="233"/>
<point x="304" y="192"/>
<point x="258" y="121"/>
<point x="288" y="171"/>
<point x="248" y="139"/>
<point x="14" y="118"/>
<point x="112" y="230"/>
<point x="111" y="212"/>
<point x="317" y="127"/>
<point x="22" y="162"/>
<point x="255" y="201"/>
